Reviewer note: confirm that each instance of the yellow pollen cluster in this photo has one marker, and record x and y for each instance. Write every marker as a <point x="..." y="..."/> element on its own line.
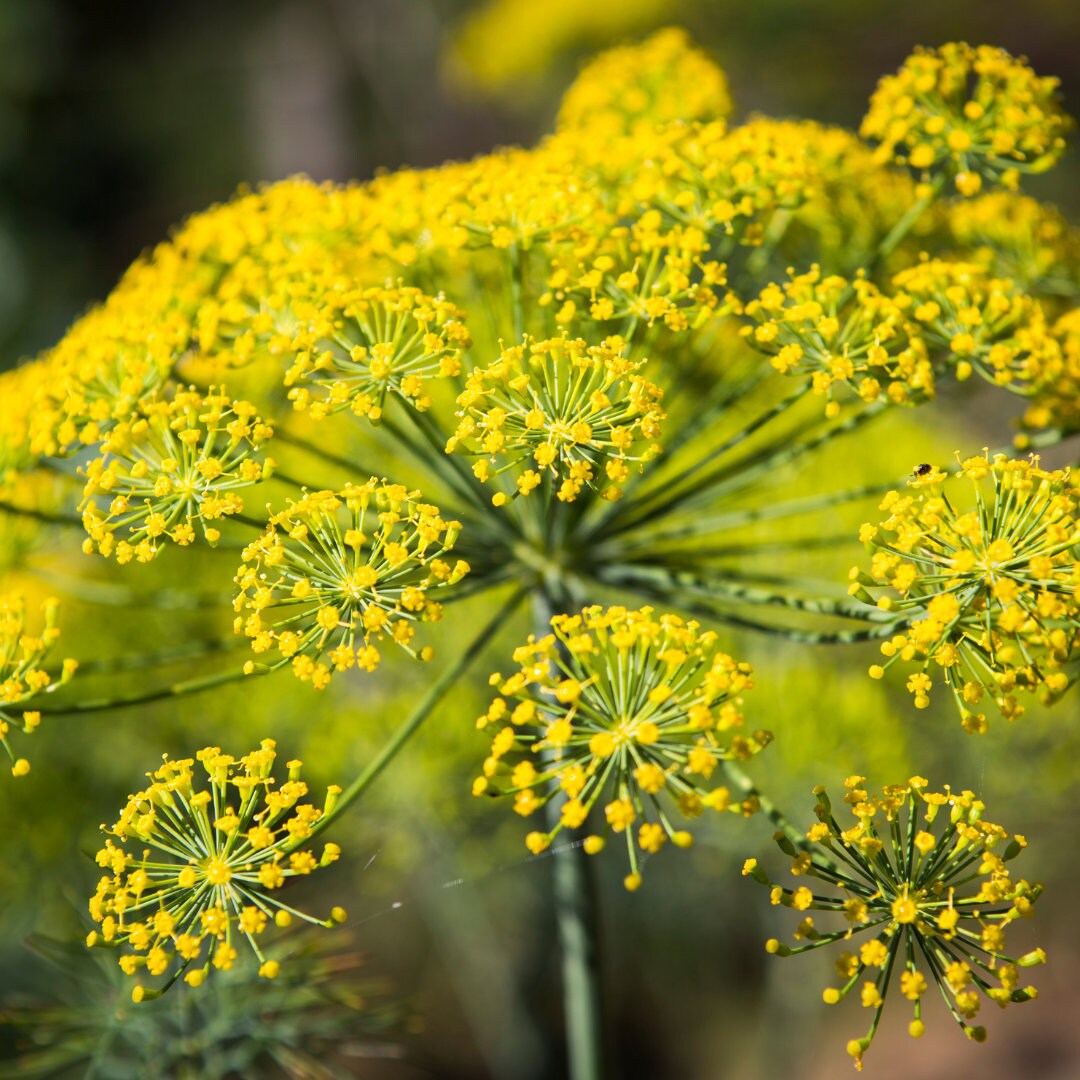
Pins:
<point x="1016" y="237"/>
<point x="337" y="572"/>
<point x="577" y="413"/>
<point x="661" y="80"/>
<point x="22" y="675"/>
<point x="178" y="464"/>
<point x="375" y="342"/>
<point x="613" y="709"/>
<point x="970" y="113"/>
<point x="1055" y="403"/>
<point x="983" y="324"/>
<point x="923" y="878"/>
<point x="992" y="592"/>
<point x="208" y="866"/>
<point x="841" y="333"/>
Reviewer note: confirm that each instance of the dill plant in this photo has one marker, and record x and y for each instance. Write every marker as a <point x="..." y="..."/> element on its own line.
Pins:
<point x="580" y="378"/>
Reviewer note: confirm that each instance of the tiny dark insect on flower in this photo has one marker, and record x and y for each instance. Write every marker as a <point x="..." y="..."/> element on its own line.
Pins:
<point x="922" y="470"/>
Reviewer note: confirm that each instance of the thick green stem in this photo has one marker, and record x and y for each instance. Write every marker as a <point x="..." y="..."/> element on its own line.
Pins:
<point x="576" y="919"/>
<point x="413" y="721"/>
<point x="176" y="689"/>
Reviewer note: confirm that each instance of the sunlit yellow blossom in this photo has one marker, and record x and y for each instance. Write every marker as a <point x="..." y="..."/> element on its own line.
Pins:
<point x="1018" y="238"/>
<point x="980" y="323"/>
<point x="615" y="708"/>
<point x="840" y="333"/>
<point x="662" y="79"/>
<point x="23" y="678"/>
<point x="969" y="113"/>
<point x="197" y="869"/>
<point x="991" y="591"/>
<point x="1055" y="403"/>
<point x="575" y="413"/>
<point x="338" y="572"/>
<point x="927" y="878"/>
<point x="373" y="342"/>
<point x="177" y="465"/>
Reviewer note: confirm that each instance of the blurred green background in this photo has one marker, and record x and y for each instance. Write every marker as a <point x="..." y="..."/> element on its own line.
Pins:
<point x="119" y="119"/>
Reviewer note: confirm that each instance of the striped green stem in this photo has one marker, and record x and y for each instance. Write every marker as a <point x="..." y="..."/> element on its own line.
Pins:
<point x="576" y="918"/>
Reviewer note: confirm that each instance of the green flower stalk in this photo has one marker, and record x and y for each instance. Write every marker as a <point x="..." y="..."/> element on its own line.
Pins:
<point x="224" y="852"/>
<point x="921" y="879"/>
<point x="625" y="713"/>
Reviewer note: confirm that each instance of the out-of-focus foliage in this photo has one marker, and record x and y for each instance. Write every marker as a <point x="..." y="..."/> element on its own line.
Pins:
<point x="326" y="1008"/>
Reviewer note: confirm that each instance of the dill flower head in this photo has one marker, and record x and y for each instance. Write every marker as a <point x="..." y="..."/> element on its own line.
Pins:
<point x="111" y="362"/>
<point x="841" y="333"/>
<point x="727" y="183"/>
<point x="578" y="413"/>
<point x="922" y="881"/>
<point x="376" y="341"/>
<point x="22" y="674"/>
<point x="662" y="79"/>
<point x="974" y="114"/>
<point x="852" y="200"/>
<point x="614" y="709"/>
<point x="198" y="867"/>
<point x="985" y="324"/>
<point x="337" y="572"/>
<point x="1020" y="238"/>
<point x="992" y="592"/>
<point x="508" y="201"/>
<point x="179" y="464"/>
<point x="650" y="270"/>
<point x="1055" y="403"/>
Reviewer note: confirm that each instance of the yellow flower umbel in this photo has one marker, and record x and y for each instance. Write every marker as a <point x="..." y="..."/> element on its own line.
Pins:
<point x="992" y="591"/>
<point x="1020" y="238"/>
<point x="177" y="465"/>
<point x="835" y="332"/>
<point x="921" y="882"/>
<point x="341" y="571"/>
<point x="661" y="80"/>
<point x="206" y="867"/>
<point x="615" y="709"/>
<point x="1055" y="403"/>
<point x="984" y="324"/>
<point x="22" y="676"/>
<point x="651" y="271"/>
<point x="970" y="113"/>
<point x="376" y="342"/>
<point x="580" y="414"/>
